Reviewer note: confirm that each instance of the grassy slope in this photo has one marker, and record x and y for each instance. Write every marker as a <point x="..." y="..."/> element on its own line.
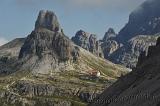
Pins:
<point x="108" y="69"/>
<point x="70" y="79"/>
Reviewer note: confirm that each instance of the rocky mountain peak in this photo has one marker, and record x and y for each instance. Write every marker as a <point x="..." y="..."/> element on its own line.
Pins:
<point x="111" y="31"/>
<point x="109" y="34"/>
<point x="88" y="41"/>
<point x="46" y="48"/>
<point x="47" y="19"/>
<point x="144" y="20"/>
<point x="82" y="33"/>
<point x="81" y="39"/>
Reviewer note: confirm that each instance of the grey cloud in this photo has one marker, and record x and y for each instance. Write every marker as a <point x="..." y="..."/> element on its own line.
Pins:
<point x="108" y="4"/>
<point x="119" y="4"/>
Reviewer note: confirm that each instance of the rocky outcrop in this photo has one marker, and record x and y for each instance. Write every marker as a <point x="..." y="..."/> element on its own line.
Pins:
<point x="128" y="54"/>
<point x="145" y="20"/>
<point x="46" y="48"/>
<point x="89" y="42"/>
<point x="12" y="99"/>
<point x="138" y="88"/>
<point x="88" y="96"/>
<point x="30" y="89"/>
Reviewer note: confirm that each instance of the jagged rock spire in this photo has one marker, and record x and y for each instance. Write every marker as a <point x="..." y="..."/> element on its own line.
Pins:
<point x="109" y="34"/>
<point x="46" y="47"/>
<point x="88" y="41"/>
<point x="47" y="19"/>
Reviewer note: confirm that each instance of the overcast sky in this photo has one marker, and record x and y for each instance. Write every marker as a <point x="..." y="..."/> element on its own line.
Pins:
<point x="17" y="17"/>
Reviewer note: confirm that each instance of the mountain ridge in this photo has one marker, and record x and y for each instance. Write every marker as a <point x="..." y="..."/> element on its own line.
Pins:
<point x="142" y="21"/>
<point x="139" y="87"/>
<point x="125" y="48"/>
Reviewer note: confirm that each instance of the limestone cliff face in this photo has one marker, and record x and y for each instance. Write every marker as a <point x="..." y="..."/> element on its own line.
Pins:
<point x="44" y="42"/>
<point x="138" y="88"/>
<point x="46" y="48"/>
<point x="128" y="54"/>
<point x="89" y="42"/>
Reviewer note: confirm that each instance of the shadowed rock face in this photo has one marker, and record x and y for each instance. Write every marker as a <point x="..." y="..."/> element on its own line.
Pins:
<point x="138" y="88"/>
<point x="47" y="19"/>
<point x="89" y="42"/>
<point x="45" y="48"/>
<point x="45" y="42"/>
<point x="145" y="20"/>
